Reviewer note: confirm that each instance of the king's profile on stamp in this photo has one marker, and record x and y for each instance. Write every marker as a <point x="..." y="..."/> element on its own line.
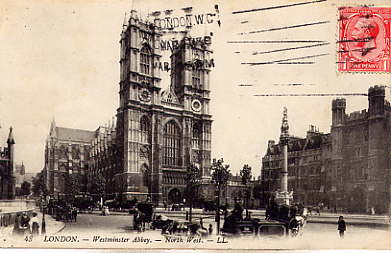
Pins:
<point x="364" y="39"/>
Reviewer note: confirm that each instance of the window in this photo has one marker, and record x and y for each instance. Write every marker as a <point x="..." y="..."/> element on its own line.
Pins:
<point x="196" y="136"/>
<point x="145" y="60"/>
<point x="145" y="130"/>
<point x="196" y="78"/>
<point x="171" y="144"/>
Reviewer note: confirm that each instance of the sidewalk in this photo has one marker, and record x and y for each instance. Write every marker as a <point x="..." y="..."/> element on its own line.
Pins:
<point x="52" y="226"/>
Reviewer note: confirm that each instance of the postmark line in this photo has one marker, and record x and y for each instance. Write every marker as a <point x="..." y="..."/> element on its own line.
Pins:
<point x="298" y="62"/>
<point x="289" y="59"/>
<point x="310" y="94"/>
<point x="290" y="48"/>
<point x="275" y="41"/>
<point x="285" y="27"/>
<point x="277" y="7"/>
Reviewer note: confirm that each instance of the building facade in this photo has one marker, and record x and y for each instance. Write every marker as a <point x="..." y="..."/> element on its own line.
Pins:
<point x="67" y="156"/>
<point x="7" y="179"/>
<point x="159" y="133"/>
<point x="348" y="169"/>
<point x="360" y="160"/>
<point x="306" y="167"/>
<point x="104" y="161"/>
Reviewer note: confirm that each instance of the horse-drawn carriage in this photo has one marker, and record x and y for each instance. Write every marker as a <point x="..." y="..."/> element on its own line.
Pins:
<point x="278" y="222"/>
<point x="142" y="215"/>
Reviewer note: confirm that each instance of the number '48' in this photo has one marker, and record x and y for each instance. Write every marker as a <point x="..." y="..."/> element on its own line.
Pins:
<point x="28" y="238"/>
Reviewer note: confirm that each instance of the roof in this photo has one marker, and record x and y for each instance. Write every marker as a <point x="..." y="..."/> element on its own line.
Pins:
<point x="81" y="135"/>
<point x="301" y="144"/>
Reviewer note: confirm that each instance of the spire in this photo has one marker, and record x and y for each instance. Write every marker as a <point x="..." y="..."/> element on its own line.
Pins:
<point x="284" y="127"/>
<point x="11" y="137"/>
<point x="52" y="130"/>
<point x="125" y="24"/>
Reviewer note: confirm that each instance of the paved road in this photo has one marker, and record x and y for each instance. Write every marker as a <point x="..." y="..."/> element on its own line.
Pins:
<point x="315" y="235"/>
<point x="97" y="223"/>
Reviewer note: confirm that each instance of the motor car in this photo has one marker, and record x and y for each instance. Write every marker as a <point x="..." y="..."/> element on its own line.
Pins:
<point x="268" y="229"/>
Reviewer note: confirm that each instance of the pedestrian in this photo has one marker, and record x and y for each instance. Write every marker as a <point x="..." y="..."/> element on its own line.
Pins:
<point x="210" y="229"/>
<point x="202" y="223"/>
<point x="74" y="214"/>
<point x="24" y="223"/>
<point x="135" y="219"/>
<point x="34" y="225"/>
<point x="341" y="226"/>
<point x="17" y="227"/>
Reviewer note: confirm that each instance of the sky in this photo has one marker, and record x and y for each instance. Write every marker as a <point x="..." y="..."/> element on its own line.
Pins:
<point x="60" y="59"/>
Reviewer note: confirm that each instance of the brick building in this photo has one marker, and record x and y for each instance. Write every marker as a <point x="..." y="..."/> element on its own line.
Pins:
<point x="360" y="159"/>
<point x="307" y="158"/>
<point x="347" y="169"/>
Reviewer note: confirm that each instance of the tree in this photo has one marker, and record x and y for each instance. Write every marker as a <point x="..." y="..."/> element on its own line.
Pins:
<point x="192" y="183"/>
<point x="245" y="174"/>
<point x="98" y="186"/>
<point x="220" y="177"/>
<point x="39" y="186"/>
<point x="25" y="188"/>
<point x="72" y="187"/>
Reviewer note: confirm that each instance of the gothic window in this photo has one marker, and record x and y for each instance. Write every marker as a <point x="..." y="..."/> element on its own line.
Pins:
<point x="169" y="98"/>
<point x="171" y="144"/>
<point x="196" y="136"/>
<point x="63" y="152"/>
<point x="196" y="78"/>
<point x="145" y="130"/>
<point x="87" y="153"/>
<point x="145" y="60"/>
<point x="75" y="151"/>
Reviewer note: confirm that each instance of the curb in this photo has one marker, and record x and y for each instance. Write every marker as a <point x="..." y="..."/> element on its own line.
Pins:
<point x="356" y="223"/>
<point x="61" y="229"/>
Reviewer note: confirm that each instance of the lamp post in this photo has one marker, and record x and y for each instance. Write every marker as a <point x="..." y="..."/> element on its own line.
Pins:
<point x="193" y="180"/>
<point x="245" y="174"/>
<point x="43" y="226"/>
<point x="71" y="183"/>
<point x="220" y="177"/>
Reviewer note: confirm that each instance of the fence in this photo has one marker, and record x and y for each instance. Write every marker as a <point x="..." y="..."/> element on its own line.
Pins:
<point x="7" y="217"/>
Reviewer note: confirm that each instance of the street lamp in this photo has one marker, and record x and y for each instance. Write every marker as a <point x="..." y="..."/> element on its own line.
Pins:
<point x="245" y="174"/>
<point x="43" y="228"/>
<point x="193" y="180"/>
<point x="220" y="177"/>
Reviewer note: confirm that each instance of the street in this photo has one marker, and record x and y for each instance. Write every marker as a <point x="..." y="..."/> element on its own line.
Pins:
<point x="95" y="222"/>
<point x="316" y="235"/>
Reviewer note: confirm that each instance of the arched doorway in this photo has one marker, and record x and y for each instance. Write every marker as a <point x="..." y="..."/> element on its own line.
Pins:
<point x="174" y="196"/>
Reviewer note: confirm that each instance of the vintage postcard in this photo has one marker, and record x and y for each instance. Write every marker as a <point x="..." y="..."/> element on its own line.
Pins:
<point x="215" y="125"/>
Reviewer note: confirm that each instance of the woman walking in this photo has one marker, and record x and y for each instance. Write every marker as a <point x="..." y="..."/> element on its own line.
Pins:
<point x="34" y="225"/>
<point x="341" y="226"/>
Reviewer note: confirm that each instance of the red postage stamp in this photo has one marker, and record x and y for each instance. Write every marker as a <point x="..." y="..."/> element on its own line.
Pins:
<point x="364" y="39"/>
